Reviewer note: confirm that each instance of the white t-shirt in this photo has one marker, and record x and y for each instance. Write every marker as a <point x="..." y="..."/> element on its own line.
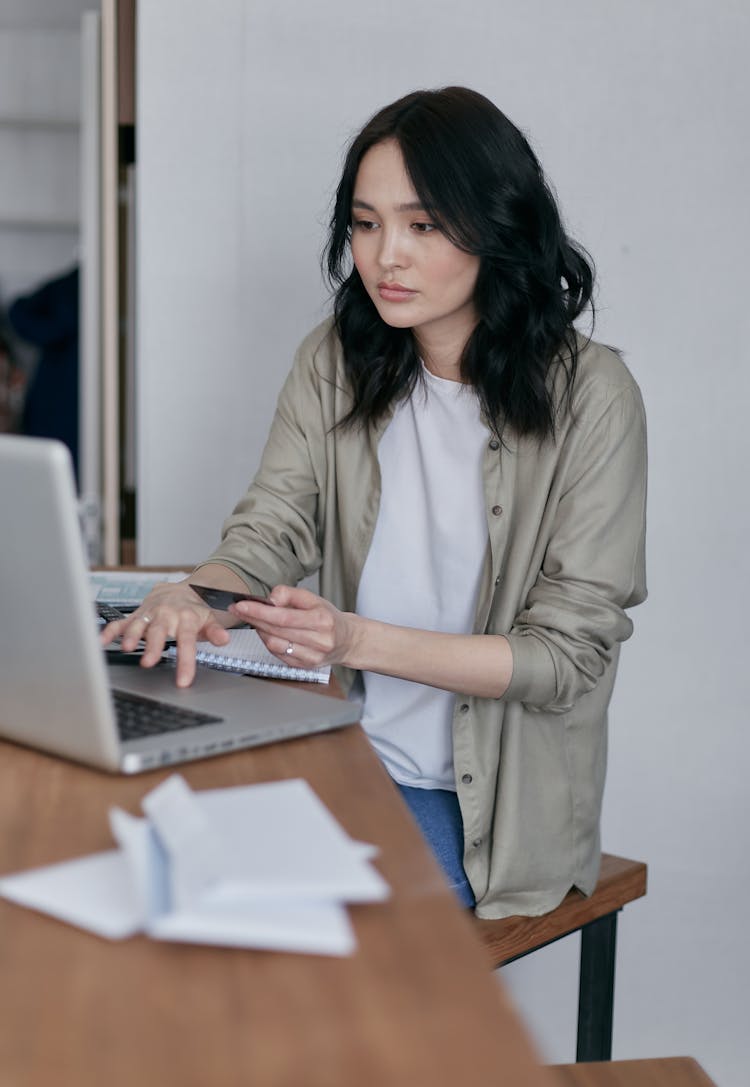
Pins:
<point x="424" y="566"/>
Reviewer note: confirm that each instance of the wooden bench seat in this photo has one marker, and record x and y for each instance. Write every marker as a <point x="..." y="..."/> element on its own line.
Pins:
<point x="658" y="1072"/>
<point x="620" y="881"/>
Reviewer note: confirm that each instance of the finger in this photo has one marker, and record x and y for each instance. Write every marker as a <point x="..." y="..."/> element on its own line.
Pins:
<point x="296" y="653"/>
<point x="314" y="640"/>
<point x="215" y="633"/>
<point x="290" y="652"/>
<point x="169" y="623"/>
<point x="187" y="635"/>
<point x="186" y="658"/>
<point x="134" y="630"/>
<point x="186" y="647"/>
<point x="112" y="630"/>
<point x="155" y="636"/>
<point x="288" y="596"/>
<point x="314" y="626"/>
<point x="252" y="611"/>
<point x="269" y="618"/>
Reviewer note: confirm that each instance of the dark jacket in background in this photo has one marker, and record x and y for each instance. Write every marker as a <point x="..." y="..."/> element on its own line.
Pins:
<point x="48" y="319"/>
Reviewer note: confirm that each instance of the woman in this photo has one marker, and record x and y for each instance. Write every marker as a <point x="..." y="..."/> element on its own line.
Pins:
<point x="468" y="475"/>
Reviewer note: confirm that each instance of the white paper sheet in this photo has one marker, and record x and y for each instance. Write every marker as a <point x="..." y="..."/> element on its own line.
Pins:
<point x="263" y="866"/>
<point x="321" y="928"/>
<point x="94" y="893"/>
<point x="146" y="862"/>
<point x="284" y="842"/>
<point x="128" y="587"/>
<point x="197" y="853"/>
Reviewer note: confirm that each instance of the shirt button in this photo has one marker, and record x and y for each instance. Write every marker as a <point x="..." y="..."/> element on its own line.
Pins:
<point x="497" y="510"/>
<point x="494" y="445"/>
<point x="467" y="779"/>
<point x="477" y="842"/>
<point x="497" y="580"/>
<point x="464" y="707"/>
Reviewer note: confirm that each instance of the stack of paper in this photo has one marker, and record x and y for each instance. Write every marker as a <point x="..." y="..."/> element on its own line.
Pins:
<point x="263" y="866"/>
<point x="127" y="588"/>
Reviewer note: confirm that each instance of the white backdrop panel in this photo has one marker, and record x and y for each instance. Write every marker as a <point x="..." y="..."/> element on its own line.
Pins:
<point x="638" y="112"/>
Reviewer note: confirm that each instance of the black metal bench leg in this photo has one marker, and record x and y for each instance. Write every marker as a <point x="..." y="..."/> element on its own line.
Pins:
<point x="597" y="989"/>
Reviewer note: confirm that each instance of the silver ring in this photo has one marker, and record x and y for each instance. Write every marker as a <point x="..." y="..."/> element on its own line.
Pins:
<point x="145" y="619"/>
<point x="289" y="650"/>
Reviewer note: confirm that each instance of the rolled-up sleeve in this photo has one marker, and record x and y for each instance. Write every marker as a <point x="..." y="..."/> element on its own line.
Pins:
<point x="593" y="566"/>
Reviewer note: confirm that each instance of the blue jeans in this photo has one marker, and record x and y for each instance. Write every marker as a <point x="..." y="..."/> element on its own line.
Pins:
<point x="439" y="818"/>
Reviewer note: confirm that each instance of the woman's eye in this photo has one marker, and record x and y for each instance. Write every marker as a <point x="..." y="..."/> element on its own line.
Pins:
<point x="423" y="228"/>
<point x="364" y="224"/>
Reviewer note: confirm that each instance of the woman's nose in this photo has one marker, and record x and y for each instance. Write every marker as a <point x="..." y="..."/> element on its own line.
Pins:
<point x="393" y="250"/>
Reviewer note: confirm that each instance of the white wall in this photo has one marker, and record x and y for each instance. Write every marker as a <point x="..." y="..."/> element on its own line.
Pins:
<point x="39" y="148"/>
<point x="639" y="113"/>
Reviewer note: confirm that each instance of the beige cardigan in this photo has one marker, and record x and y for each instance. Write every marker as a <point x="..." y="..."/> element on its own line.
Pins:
<point x="566" y="523"/>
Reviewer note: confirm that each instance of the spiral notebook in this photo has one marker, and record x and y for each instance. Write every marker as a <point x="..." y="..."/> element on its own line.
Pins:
<point x="246" y="653"/>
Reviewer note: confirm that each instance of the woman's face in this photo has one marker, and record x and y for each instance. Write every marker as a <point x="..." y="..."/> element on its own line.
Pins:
<point x="415" y="276"/>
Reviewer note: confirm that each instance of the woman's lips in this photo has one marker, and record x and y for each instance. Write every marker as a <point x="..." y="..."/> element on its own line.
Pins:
<point x="395" y="292"/>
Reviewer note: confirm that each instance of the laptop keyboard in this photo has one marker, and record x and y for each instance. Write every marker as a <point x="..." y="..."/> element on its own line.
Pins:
<point x="108" y="613"/>
<point x="138" y="716"/>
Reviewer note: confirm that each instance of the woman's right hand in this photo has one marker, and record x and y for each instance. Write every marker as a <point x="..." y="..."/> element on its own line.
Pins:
<point x="170" y="611"/>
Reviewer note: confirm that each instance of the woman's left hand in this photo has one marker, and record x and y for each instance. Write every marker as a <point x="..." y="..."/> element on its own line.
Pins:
<point x="304" y="630"/>
<point x="301" y="628"/>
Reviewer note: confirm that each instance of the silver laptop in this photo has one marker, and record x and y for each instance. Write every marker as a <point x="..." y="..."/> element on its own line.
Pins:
<point x="56" y="691"/>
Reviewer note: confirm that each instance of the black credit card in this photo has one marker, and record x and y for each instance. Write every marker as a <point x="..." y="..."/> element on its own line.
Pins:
<point x="220" y="599"/>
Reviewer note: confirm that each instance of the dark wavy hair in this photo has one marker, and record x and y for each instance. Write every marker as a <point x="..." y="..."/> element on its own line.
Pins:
<point x="485" y="189"/>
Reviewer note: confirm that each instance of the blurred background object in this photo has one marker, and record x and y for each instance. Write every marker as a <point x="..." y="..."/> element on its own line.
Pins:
<point x="47" y="319"/>
<point x="40" y="215"/>
<point x="66" y="205"/>
<point x="12" y="383"/>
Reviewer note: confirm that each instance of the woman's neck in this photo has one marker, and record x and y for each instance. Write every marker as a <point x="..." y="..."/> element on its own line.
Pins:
<point x="442" y="359"/>
<point x="442" y="354"/>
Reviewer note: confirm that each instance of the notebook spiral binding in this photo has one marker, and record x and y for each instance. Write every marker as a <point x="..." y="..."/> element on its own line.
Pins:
<point x="258" y="668"/>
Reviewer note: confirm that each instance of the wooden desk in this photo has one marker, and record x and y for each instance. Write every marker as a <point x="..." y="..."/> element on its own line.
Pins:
<point x="78" y="1010"/>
